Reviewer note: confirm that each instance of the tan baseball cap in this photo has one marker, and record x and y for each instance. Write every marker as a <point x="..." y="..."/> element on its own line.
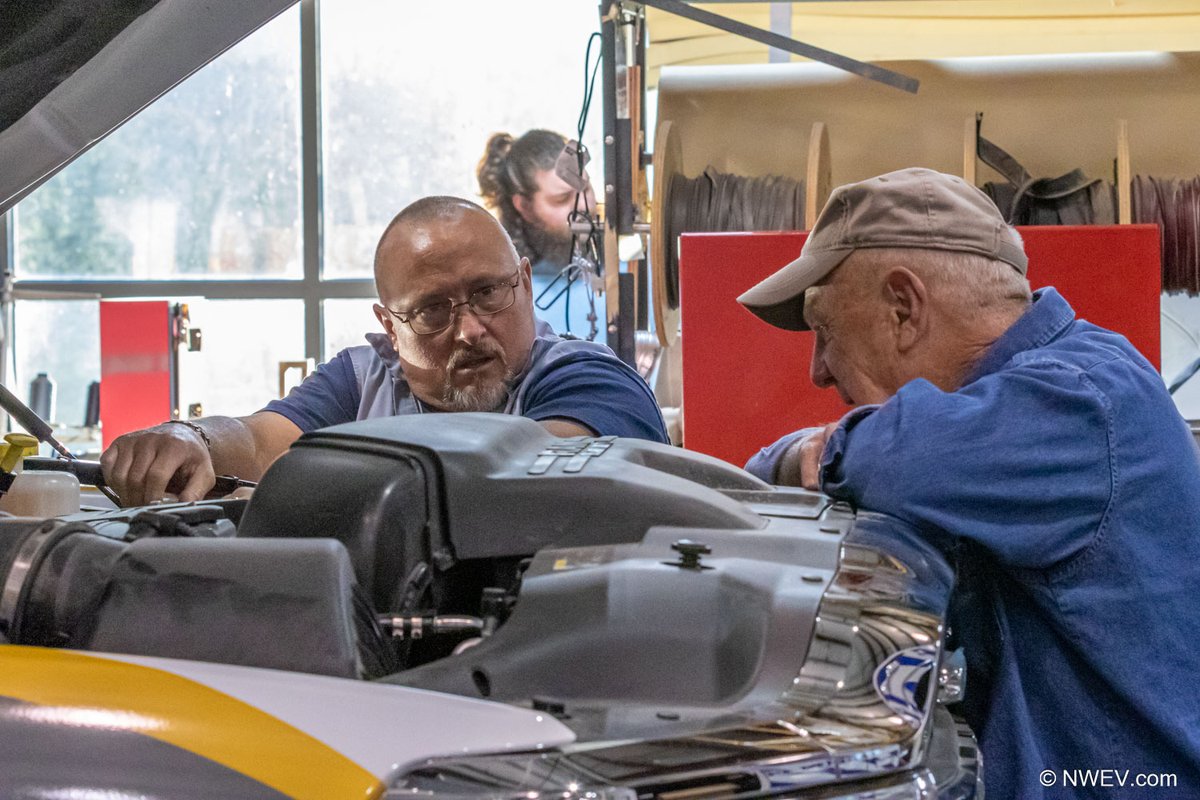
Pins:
<point x="914" y="207"/>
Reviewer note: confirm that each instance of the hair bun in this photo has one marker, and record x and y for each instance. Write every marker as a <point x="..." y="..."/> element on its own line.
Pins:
<point x="498" y="146"/>
<point x="492" y="169"/>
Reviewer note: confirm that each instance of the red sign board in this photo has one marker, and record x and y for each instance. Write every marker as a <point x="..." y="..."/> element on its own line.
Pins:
<point x="135" y="365"/>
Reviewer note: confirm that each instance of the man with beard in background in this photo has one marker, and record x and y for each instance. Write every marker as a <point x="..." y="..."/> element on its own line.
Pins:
<point x="456" y="305"/>
<point x="520" y="182"/>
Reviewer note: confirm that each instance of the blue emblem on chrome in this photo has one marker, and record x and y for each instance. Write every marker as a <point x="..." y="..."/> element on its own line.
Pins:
<point x="897" y="679"/>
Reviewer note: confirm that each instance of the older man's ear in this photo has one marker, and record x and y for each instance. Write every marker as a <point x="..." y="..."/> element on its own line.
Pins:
<point x="907" y="301"/>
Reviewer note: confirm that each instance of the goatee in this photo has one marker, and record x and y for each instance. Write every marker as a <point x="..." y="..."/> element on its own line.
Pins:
<point x="479" y="395"/>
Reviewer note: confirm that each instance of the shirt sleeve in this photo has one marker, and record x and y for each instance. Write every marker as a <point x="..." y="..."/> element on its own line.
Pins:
<point x="1018" y="461"/>
<point x="329" y="396"/>
<point x="608" y="398"/>
<point x="764" y="464"/>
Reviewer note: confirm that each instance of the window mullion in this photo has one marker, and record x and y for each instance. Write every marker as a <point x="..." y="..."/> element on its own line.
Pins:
<point x="310" y="170"/>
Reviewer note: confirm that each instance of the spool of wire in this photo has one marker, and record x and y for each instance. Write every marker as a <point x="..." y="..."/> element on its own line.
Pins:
<point x="715" y="202"/>
<point x="712" y="202"/>
<point x="1174" y="205"/>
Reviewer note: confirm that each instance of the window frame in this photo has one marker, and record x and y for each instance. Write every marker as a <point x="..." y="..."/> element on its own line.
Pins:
<point x="311" y="287"/>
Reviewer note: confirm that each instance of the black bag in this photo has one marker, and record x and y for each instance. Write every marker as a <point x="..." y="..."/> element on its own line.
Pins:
<point x="1070" y="199"/>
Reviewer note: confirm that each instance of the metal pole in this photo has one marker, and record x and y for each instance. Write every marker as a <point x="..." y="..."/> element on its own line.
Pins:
<point x="7" y="354"/>
<point x="310" y="171"/>
<point x="626" y="340"/>
<point x="861" y="68"/>
<point x="609" y="12"/>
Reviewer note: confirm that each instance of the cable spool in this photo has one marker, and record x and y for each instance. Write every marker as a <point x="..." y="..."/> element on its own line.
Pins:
<point x="716" y="202"/>
<point x="668" y="161"/>
<point x="1174" y="205"/>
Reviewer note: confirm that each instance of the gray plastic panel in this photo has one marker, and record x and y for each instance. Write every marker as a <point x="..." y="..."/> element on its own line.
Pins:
<point x="511" y="488"/>
<point x="380" y="502"/>
<point x="273" y="603"/>
<point x="612" y="627"/>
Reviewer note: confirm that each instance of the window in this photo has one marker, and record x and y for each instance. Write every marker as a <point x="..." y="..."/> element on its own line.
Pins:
<point x="203" y="183"/>
<point x="1181" y="349"/>
<point x="199" y="197"/>
<point x="346" y="324"/>
<point x="237" y="369"/>
<point x="61" y="339"/>
<point x="411" y="92"/>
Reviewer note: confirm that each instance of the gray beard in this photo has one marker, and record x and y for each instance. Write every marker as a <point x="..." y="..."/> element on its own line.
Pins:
<point x="476" y="397"/>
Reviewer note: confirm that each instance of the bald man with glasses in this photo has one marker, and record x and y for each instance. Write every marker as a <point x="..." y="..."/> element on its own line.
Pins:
<point x="456" y="307"/>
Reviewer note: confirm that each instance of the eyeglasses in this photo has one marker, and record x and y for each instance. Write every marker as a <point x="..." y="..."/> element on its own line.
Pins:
<point x="484" y="302"/>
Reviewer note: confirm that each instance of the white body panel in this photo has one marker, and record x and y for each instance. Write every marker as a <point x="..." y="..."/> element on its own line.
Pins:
<point x="381" y="727"/>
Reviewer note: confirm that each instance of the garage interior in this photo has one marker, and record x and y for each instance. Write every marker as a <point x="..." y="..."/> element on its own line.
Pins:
<point x="191" y="198"/>
<point x="1119" y="77"/>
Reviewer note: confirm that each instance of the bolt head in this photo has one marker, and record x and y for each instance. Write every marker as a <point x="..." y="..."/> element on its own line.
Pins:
<point x="688" y="547"/>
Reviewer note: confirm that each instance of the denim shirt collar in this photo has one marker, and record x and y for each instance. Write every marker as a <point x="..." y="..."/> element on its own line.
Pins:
<point x="1047" y="318"/>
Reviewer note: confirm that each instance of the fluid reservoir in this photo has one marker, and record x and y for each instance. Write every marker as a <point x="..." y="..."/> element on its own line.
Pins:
<point x="35" y="494"/>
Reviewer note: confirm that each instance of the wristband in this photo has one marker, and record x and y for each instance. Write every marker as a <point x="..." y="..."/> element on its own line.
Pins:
<point x="196" y="428"/>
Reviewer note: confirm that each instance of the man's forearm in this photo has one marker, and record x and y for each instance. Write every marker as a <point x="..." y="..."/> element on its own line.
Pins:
<point x="184" y="459"/>
<point x="233" y="448"/>
<point x="766" y="464"/>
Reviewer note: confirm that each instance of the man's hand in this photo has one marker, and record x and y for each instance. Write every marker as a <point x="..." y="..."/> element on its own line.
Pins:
<point x="144" y="465"/>
<point x="801" y="463"/>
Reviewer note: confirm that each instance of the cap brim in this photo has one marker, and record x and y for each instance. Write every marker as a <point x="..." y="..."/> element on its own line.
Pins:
<point x="779" y="299"/>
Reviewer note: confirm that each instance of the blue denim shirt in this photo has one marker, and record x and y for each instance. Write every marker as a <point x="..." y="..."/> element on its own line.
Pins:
<point x="1065" y="484"/>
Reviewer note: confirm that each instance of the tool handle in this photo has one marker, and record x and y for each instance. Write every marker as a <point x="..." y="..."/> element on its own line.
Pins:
<point x="90" y="472"/>
<point x="86" y="471"/>
<point x="227" y="483"/>
<point x="23" y="414"/>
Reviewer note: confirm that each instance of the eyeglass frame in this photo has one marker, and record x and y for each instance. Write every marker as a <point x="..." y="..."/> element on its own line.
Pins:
<point x="511" y="283"/>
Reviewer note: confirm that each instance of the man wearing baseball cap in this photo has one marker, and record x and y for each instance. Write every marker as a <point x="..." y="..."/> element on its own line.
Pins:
<point x="1041" y="452"/>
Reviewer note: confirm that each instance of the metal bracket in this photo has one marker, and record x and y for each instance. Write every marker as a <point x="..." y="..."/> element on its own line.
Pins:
<point x="780" y="42"/>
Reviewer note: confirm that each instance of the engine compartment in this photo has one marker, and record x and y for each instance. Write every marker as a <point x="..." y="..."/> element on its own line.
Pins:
<point x="625" y="584"/>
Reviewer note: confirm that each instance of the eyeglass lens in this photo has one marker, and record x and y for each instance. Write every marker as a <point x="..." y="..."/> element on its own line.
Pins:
<point x="483" y="302"/>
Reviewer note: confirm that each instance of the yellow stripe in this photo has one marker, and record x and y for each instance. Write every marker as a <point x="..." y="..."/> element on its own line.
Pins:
<point x="106" y="693"/>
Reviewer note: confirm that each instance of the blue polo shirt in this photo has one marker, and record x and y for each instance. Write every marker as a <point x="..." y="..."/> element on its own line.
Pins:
<point x="566" y="379"/>
<point x="1065" y="484"/>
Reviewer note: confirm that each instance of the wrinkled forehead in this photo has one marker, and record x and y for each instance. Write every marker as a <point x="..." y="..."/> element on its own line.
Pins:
<point x="812" y="302"/>
<point x="820" y="302"/>
<point x="843" y="288"/>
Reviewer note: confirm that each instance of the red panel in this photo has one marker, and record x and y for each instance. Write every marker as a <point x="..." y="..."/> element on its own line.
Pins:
<point x="1110" y="274"/>
<point x="745" y="383"/>
<point x="135" y="365"/>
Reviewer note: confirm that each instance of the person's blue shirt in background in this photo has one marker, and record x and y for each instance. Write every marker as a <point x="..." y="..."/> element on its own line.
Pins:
<point x="1065" y="484"/>
<point x="567" y="308"/>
